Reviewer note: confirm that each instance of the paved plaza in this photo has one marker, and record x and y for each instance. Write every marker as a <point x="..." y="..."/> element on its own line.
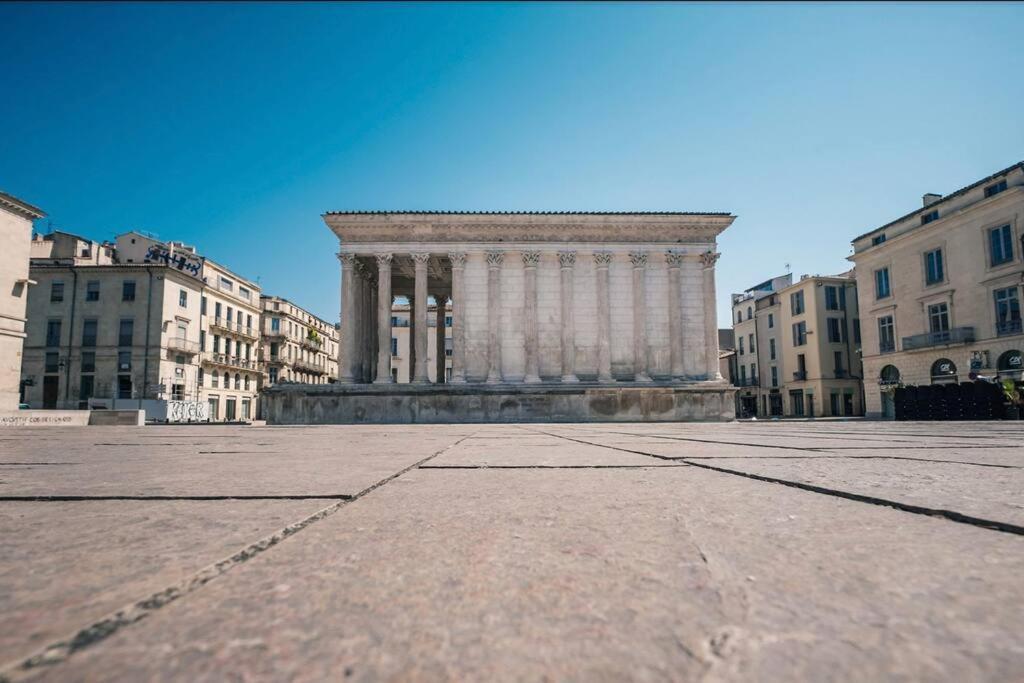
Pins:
<point x="775" y="551"/>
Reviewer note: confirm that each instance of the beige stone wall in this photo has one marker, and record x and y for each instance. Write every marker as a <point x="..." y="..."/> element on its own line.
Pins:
<point x="15" y="236"/>
<point x="296" y="359"/>
<point x="400" y="362"/>
<point x="967" y="288"/>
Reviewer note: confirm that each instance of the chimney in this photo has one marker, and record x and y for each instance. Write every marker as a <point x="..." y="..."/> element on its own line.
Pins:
<point x="930" y="198"/>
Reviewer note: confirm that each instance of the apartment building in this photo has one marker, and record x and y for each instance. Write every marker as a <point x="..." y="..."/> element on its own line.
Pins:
<point x="797" y="348"/>
<point x="402" y="348"/>
<point x="16" y="218"/>
<point x="297" y="346"/>
<point x="140" y="323"/>
<point x="940" y="289"/>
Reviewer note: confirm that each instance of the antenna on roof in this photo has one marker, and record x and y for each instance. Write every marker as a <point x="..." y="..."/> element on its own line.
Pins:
<point x="788" y="268"/>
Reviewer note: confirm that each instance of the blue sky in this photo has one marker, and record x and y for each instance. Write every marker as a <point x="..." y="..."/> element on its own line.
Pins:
<point x="234" y="126"/>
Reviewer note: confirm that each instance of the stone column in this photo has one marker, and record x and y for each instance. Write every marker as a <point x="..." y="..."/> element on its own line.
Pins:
<point x="567" y="260"/>
<point x="639" y="260"/>
<point x="383" y="319"/>
<point x="530" y="261"/>
<point x="708" y="260"/>
<point x="411" y="338"/>
<point x="347" y="348"/>
<point x="361" y="290"/>
<point x="675" y="313"/>
<point x="439" y="301"/>
<point x="494" y="261"/>
<point x="371" y="321"/>
<point x="458" y="260"/>
<point x="602" y="260"/>
<point x="422" y="375"/>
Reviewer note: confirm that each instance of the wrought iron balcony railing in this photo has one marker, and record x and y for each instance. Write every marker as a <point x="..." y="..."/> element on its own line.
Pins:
<point x="231" y="361"/>
<point x="800" y="375"/>
<point x="309" y="366"/>
<point x="957" y="335"/>
<point x="183" y="345"/>
<point x="235" y="327"/>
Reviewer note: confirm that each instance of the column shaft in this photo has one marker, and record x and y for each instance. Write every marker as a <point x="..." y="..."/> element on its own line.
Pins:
<point x="604" y="342"/>
<point x="383" y="319"/>
<point x="347" y="348"/>
<point x="411" y="338"/>
<point x="566" y="261"/>
<point x="530" y="261"/>
<point x="675" y="314"/>
<point x="422" y="375"/>
<point x="458" y="260"/>
<point x="640" y="373"/>
<point x="494" y="261"/>
<point x="708" y="260"/>
<point x="439" y="302"/>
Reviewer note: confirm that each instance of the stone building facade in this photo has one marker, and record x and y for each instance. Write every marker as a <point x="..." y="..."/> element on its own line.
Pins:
<point x="296" y="345"/>
<point x="940" y="290"/>
<point x="402" y="344"/>
<point x="16" y="218"/>
<point x="538" y="300"/>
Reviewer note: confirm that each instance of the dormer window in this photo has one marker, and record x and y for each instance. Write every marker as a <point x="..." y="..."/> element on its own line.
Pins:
<point x="877" y="239"/>
<point x="995" y="188"/>
<point x="929" y="217"/>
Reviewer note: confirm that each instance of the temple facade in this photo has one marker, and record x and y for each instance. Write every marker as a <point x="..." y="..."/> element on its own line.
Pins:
<point x="542" y="305"/>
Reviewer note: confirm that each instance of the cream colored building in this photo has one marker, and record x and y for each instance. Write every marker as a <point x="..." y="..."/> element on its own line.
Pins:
<point x="940" y="289"/>
<point x="16" y="219"/>
<point x="297" y="346"/>
<point x="402" y="346"/>
<point x="140" y="323"/>
<point x="797" y="348"/>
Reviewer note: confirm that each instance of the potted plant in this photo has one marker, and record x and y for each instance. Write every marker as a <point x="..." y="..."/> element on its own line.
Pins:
<point x="1012" y="400"/>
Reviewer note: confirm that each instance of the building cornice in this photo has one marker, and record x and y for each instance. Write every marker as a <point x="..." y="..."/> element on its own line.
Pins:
<point x="19" y="207"/>
<point x="402" y="227"/>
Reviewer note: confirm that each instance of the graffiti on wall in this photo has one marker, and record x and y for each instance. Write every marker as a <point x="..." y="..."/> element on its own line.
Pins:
<point x="188" y="411"/>
<point x="183" y="261"/>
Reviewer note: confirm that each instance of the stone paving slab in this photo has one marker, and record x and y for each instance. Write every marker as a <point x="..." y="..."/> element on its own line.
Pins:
<point x="654" y="574"/>
<point x="65" y="565"/>
<point x="553" y="453"/>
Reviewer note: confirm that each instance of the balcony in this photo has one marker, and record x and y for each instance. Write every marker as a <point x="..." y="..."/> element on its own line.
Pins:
<point x="234" y="327"/>
<point x="1005" y="328"/>
<point x="231" y="361"/>
<point x="274" y="334"/>
<point x="312" y="344"/>
<point x="748" y="382"/>
<point x="841" y="373"/>
<point x="182" y="345"/>
<point x="277" y="360"/>
<point x="799" y="375"/>
<point x="957" y="335"/>
<point x="309" y="366"/>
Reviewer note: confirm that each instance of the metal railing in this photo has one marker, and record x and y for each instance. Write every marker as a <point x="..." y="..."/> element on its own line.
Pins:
<point x="236" y="327"/>
<point x="748" y="382"/>
<point x="231" y="361"/>
<point x="183" y="345"/>
<point x="309" y="366"/>
<point x="799" y="375"/>
<point x="311" y="343"/>
<point x="956" y="335"/>
<point x="1007" y="327"/>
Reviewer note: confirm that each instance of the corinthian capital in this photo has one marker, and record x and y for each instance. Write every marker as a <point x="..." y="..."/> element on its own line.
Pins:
<point x="674" y="258"/>
<point x="348" y="260"/>
<point x="458" y="258"/>
<point x="495" y="258"/>
<point x="567" y="259"/>
<point x="420" y="258"/>
<point x="384" y="260"/>
<point x="531" y="258"/>
<point x="602" y="258"/>
<point x="638" y="259"/>
<point x="709" y="258"/>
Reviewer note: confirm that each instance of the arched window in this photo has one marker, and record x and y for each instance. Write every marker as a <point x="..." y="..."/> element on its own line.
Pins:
<point x="750" y="313"/>
<point x="889" y="375"/>
<point x="739" y="316"/>
<point x="214" y="379"/>
<point x="238" y="381"/>
<point x="247" y="382"/>
<point x="943" y="371"/>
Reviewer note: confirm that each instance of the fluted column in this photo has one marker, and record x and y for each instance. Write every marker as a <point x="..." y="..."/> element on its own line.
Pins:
<point x="639" y="260"/>
<point x="383" y="319"/>
<point x="439" y="301"/>
<point x="604" y="340"/>
<point x="675" y="314"/>
<point x="708" y="260"/>
<point x="566" y="262"/>
<point x="494" y="261"/>
<point x="347" y="348"/>
<point x="422" y="375"/>
<point x="411" y="338"/>
<point x="371" y="353"/>
<point x="458" y="260"/>
<point x="530" y="261"/>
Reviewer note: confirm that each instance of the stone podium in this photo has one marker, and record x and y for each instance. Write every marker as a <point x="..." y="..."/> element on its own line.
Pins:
<point x="555" y="317"/>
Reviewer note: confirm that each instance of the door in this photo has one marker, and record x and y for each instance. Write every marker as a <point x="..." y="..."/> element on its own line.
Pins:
<point x="888" y="405"/>
<point x="50" y="388"/>
<point x="848" y="404"/>
<point x="229" y="410"/>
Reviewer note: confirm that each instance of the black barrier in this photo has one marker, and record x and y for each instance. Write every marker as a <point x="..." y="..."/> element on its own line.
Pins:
<point x="965" y="401"/>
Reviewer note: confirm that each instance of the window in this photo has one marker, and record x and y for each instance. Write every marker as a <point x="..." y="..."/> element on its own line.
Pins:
<point x="995" y="188"/>
<point x="882" y="290"/>
<point x="796" y="303"/>
<point x="1007" y="311"/>
<point x="183" y="298"/>
<point x="216" y="343"/>
<point x="938" y="318"/>
<point x="837" y="359"/>
<point x="124" y="360"/>
<point x="448" y="348"/>
<point x="243" y="293"/>
<point x="247" y="382"/>
<point x="216" y="310"/>
<point x="775" y="376"/>
<point x="835" y="330"/>
<point x="56" y="292"/>
<point x="831" y="298"/>
<point x="199" y="378"/>
<point x="128" y="290"/>
<point x="238" y="381"/>
<point x="1000" y="241"/>
<point x="394" y="346"/>
<point x="927" y="218"/>
<point x="226" y="284"/>
<point x="214" y="379"/>
<point x="52" y="362"/>
<point x="202" y="305"/>
<point x="447" y="321"/>
<point x="248" y="322"/>
<point x="230" y="312"/>
<point x="739" y="316"/>
<point x="771" y="349"/>
<point x="771" y="321"/>
<point x="88" y="333"/>
<point x="53" y="333"/>
<point x="741" y="345"/>
<point x="877" y="239"/>
<point x="933" y="267"/>
<point x="202" y="340"/>
<point x="750" y="313"/>
<point x="743" y="375"/>
<point x="126" y="332"/>
<point x="753" y="371"/>
<point x="272" y="373"/>
<point x="750" y="340"/>
<point x="856" y="330"/>
<point x="124" y="386"/>
<point x="92" y="290"/>
<point x="275" y="324"/>
<point x="88" y="361"/>
<point x="886" y="334"/>
<point x="799" y="333"/>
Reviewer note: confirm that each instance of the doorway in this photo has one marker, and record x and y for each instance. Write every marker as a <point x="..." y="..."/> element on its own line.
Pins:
<point x="51" y="385"/>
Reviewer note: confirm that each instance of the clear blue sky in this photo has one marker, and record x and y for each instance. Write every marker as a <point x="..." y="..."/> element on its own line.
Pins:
<point x="234" y="127"/>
